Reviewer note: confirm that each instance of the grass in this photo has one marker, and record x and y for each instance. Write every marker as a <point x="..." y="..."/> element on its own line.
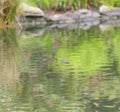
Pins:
<point x="71" y="4"/>
<point x="8" y="11"/>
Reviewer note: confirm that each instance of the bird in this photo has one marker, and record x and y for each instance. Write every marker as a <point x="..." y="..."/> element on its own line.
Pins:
<point x="64" y="61"/>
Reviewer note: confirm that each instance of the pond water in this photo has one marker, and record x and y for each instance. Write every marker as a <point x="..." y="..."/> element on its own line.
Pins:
<point x="60" y="70"/>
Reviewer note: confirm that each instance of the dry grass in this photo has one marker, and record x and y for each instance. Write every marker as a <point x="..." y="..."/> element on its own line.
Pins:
<point x="8" y="10"/>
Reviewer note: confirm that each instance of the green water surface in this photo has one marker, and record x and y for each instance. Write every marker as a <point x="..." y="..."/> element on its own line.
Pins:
<point x="60" y="70"/>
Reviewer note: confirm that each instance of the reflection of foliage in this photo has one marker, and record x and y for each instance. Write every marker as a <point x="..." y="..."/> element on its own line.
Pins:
<point x="9" y="36"/>
<point x="8" y="50"/>
<point x="69" y="70"/>
<point x="8" y="57"/>
<point x="87" y="56"/>
<point x="85" y="52"/>
<point x="77" y="50"/>
<point x="9" y="67"/>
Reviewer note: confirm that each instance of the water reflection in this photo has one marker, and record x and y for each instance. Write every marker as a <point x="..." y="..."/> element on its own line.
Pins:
<point x="8" y="67"/>
<point x="60" y="71"/>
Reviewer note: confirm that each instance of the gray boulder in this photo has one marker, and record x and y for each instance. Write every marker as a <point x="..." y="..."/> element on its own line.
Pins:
<point x="83" y="13"/>
<point x="31" y="17"/>
<point x="104" y="10"/>
<point x="27" y="10"/>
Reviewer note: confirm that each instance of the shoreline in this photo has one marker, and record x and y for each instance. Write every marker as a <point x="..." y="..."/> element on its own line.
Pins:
<point x="36" y="18"/>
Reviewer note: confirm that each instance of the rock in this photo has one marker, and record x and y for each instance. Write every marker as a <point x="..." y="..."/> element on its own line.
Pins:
<point x="84" y="11"/>
<point x="27" y="10"/>
<point x="115" y="11"/>
<point x="83" y="14"/>
<point x="109" y="13"/>
<point x="76" y="16"/>
<point x="31" y="17"/>
<point x="30" y="23"/>
<point x="103" y="9"/>
<point x="61" y="18"/>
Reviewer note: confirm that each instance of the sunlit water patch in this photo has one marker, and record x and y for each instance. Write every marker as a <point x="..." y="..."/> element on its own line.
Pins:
<point x="60" y="70"/>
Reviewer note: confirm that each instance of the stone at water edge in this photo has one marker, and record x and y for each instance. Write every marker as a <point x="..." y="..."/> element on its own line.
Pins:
<point x="104" y="8"/>
<point x="31" y="16"/>
<point x="28" y="10"/>
<point x="109" y="13"/>
<point x="105" y="12"/>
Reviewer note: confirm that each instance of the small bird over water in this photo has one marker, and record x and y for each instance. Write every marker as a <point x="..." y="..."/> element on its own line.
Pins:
<point x="64" y="61"/>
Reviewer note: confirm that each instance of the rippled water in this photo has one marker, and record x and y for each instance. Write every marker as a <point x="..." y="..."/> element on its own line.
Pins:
<point x="60" y="70"/>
